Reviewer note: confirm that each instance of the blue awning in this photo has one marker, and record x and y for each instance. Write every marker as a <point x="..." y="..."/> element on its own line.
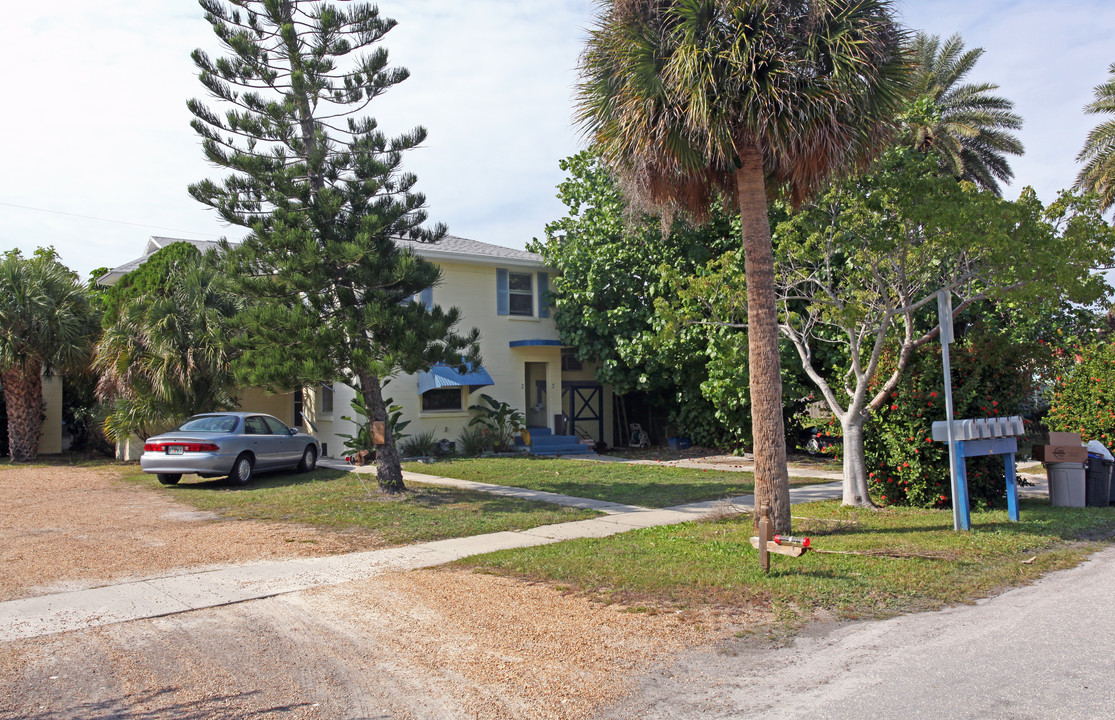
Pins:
<point x="444" y="376"/>
<point x="535" y="343"/>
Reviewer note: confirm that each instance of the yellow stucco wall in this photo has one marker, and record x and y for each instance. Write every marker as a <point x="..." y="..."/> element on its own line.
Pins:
<point x="50" y="437"/>
<point x="280" y="405"/>
<point x="472" y="289"/>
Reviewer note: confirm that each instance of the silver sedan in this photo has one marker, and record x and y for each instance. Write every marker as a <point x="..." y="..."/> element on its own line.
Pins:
<point x="236" y="444"/>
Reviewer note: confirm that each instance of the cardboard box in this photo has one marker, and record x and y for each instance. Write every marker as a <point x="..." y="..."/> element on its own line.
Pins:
<point x="1063" y="438"/>
<point x="1060" y="453"/>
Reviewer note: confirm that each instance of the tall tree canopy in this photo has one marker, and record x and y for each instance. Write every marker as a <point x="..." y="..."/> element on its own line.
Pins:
<point x="744" y="97"/>
<point x="1098" y="154"/>
<point x="610" y="262"/>
<point x="967" y="126"/>
<point x="323" y="192"/>
<point x="47" y="324"/>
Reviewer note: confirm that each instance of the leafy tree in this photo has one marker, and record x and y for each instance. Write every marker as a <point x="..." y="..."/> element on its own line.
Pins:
<point x="323" y="192"/>
<point x="1098" y="154"/>
<point x="744" y="97"/>
<point x="48" y="325"/>
<point x="612" y="262"/>
<point x="967" y="127"/>
<point x="860" y="268"/>
<point x="168" y="353"/>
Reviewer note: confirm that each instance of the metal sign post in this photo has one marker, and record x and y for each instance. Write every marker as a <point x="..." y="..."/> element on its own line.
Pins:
<point x="960" y="520"/>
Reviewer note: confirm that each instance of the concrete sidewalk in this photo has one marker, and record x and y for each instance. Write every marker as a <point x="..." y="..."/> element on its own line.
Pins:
<point x="171" y="594"/>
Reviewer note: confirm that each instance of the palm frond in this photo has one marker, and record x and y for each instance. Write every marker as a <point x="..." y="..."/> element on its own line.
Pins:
<point x="1098" y="153"/>
<point x="969" y="126"/>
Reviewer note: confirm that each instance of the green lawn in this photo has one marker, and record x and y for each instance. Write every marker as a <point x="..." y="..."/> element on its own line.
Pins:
<point x="914" y="560"/>
<point x="336" y="500"/>
<point x="644" y="485"/>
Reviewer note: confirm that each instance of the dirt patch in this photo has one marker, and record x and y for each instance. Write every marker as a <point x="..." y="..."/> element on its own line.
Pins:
<point x="64" y="528"/>
<point x="425" y="644"/>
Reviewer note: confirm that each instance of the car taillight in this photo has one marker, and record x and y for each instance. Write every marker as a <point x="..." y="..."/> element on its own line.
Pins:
<point x="186" y="447"/>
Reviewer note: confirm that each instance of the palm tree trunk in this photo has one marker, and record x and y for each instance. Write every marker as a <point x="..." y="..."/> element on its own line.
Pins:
<point x="772" y="484"/>
<point x="389" y="471"/>
<point x="23" y="394"/>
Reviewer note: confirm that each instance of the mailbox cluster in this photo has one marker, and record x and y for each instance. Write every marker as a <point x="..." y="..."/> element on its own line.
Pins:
<point x="979" y="438"/>
<point x="979" y="429"/>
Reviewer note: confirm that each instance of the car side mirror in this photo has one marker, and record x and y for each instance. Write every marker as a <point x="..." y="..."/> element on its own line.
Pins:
<point x="293" y="431"/>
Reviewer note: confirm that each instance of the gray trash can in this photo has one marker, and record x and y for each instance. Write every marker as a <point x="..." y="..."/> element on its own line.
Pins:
<point x="1097" y="481"/>
<point x="1066" y="484"/>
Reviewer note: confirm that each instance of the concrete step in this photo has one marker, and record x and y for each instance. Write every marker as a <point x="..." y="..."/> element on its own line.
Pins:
<point x="559" y="445"/>
<point x="554" y="440"/>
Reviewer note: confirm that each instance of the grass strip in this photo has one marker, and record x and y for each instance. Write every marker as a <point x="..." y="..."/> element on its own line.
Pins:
<point x="336" y="500"/>
<point x="652" y="486"/>
<point x="904" y="560"/>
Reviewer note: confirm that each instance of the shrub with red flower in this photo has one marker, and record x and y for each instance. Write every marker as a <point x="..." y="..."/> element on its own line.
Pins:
<point x="985" y="366"/>
<point x="1084" y="394"/>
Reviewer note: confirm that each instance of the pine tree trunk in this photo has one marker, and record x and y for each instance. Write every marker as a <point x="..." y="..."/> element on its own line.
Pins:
<point x="389" y="471"/>
<point x="23" y="394"/>
<point x="772" y="484"/>
<point x="855" y="462"/>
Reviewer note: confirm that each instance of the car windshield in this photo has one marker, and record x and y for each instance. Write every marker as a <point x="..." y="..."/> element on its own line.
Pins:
<point x="210" y="423"/>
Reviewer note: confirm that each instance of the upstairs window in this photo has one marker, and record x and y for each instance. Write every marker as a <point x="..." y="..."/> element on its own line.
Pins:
<point x="520" y="287"/>
<point x="515" y="293"/>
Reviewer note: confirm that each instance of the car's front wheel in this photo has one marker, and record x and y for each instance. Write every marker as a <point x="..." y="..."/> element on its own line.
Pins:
<point x="241" y="470"/>
<point x="169" y="478"/>
<point x="309" y="460"/>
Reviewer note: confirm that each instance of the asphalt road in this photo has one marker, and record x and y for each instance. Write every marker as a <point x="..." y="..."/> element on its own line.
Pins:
<point x="1043" y="651"/>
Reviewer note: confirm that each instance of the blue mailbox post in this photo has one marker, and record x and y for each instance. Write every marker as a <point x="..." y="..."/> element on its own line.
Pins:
<point x="972" y="438"/>
<point x="980" y="438"/>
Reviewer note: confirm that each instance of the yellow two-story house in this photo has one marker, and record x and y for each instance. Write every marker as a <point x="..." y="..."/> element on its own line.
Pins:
<point x="503" y="293"/>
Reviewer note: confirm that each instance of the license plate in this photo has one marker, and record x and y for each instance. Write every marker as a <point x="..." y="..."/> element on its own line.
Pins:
<point x="174" y="450"/>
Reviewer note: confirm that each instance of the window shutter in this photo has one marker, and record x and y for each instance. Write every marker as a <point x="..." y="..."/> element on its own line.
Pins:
<point x="543" y="295"/>
<point x="426" y="297"/>
<point x="502" y="302"/>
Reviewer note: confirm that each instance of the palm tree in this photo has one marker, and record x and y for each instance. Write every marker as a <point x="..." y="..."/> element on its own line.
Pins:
<point x="964" y="123"/>
<point x="48" y="325"/>
<point x="690" y="98"/>
<point x="168" y="354"/>
<point x="1098" y="154"/>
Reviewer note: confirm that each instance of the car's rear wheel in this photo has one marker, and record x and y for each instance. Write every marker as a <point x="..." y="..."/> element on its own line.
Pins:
<point x="241" y="470"/>
<point x="169" y="478"/>
<point x="309" y="459"/>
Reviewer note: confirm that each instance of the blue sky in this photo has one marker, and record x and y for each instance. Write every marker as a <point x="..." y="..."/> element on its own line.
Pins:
<point x="96" y="124"/>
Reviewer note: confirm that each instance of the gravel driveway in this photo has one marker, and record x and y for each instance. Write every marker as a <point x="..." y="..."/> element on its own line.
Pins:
<point x="64" y="528"/>
<point x="438" y="644"/>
